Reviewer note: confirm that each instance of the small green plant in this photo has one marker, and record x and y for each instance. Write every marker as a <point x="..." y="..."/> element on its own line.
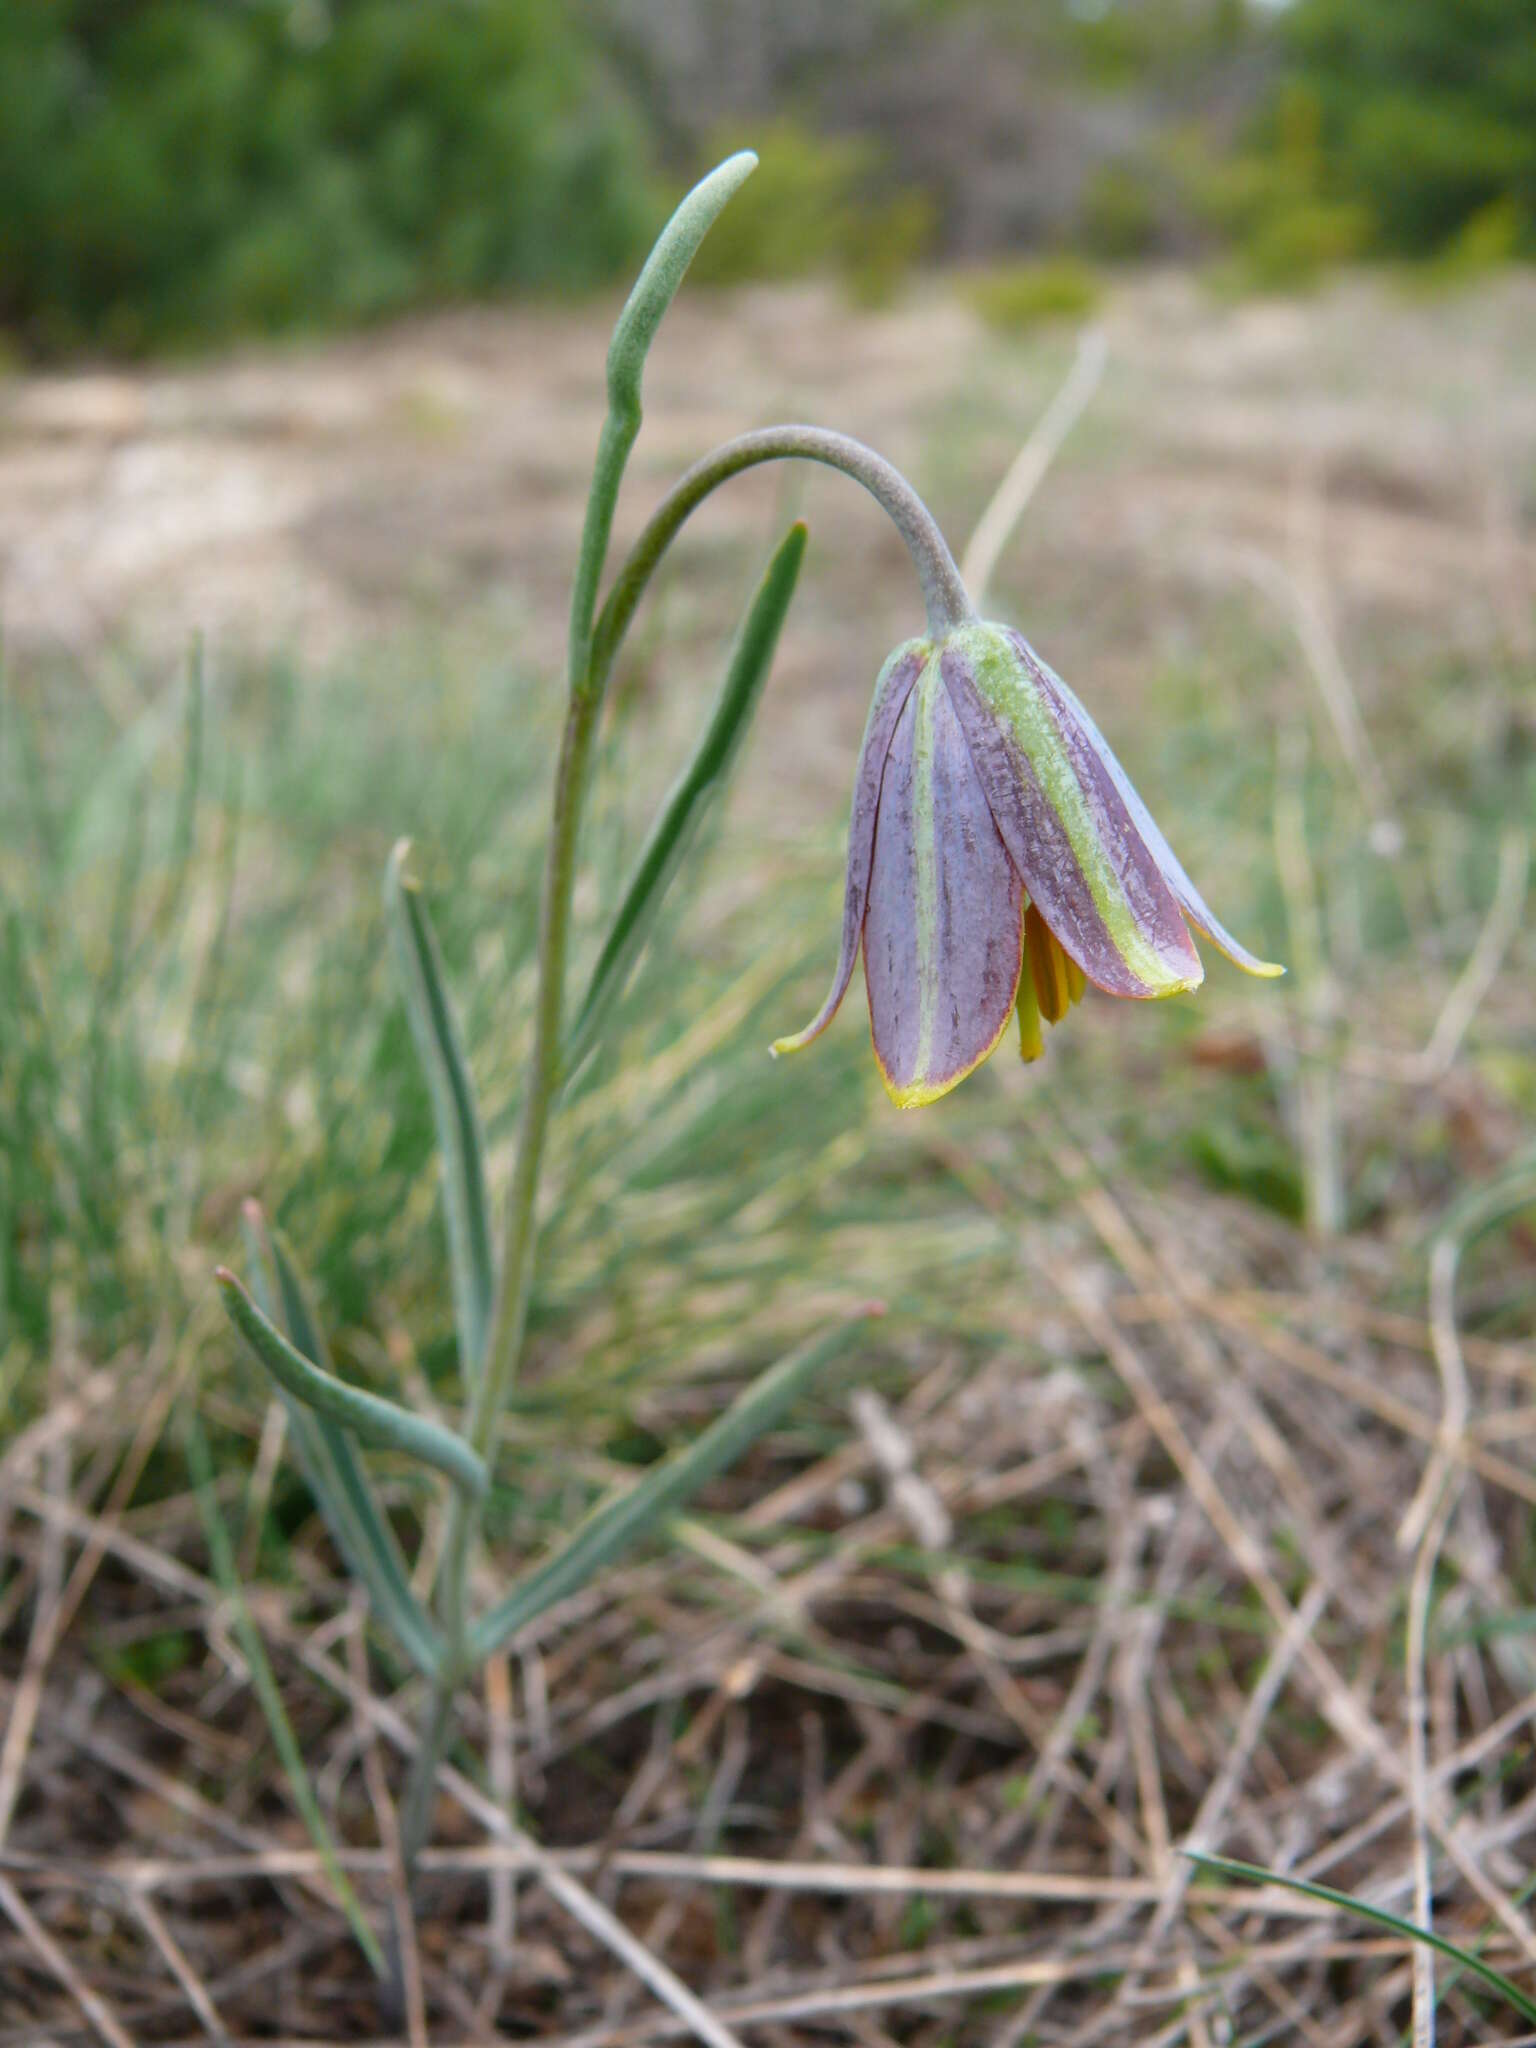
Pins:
<point x="999" y="859"/>
<point x="1120" y="211"/>
<point x="1015" y="297"/>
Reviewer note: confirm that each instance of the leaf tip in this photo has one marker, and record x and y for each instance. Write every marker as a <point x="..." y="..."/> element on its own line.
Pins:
<point x="399" y="854"/>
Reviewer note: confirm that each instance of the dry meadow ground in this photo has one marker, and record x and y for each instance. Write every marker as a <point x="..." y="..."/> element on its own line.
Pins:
<point x="1187" y="1492"/>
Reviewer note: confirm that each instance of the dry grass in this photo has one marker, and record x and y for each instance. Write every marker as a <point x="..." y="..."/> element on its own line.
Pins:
<point x="1183" y="1497"/>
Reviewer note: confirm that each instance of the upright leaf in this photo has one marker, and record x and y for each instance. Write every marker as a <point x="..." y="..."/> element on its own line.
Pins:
<point x="634" y="331"/>
<point x="460" y="1143"/>
<point x="691" y="795"/>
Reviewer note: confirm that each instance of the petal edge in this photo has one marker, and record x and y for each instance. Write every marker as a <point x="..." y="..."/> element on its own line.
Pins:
<point x="893" y="687"/>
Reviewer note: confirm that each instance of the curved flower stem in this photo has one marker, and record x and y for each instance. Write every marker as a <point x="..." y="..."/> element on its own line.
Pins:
<point x="944" y="593"/>
<point x="948" y="606"/>
<point x="632" y="337"/>
<point x="593" y="653"/>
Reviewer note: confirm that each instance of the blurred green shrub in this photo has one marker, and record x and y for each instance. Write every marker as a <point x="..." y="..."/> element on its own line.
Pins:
<point x="1270" y="204"/>
<point x="1120" y="213"/>
<point x="1014" y="297"/>
<point x="180" y="170"/>
<point x="1494" y="236"/>
<point x="817" y="203"/>
<point x="1427" y="111"/>
<point x="1301" y="240"/>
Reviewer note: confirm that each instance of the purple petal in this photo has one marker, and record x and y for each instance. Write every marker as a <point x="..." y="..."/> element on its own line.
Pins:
<point x="1037" y="764"/>
<point x="892" y="690"/>
<point x="943" y="931"/>
<point x="1188" y="896"/>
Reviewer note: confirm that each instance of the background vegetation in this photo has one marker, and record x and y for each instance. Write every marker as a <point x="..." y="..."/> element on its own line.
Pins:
<point x="178" y="171"/>
<point x="1096" y="1542"/>
<point x="1094" y="1537"/>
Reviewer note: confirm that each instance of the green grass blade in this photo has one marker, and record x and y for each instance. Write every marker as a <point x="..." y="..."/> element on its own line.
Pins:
<point x="1225" y="1866"/>
<point x="262" y="1678"/>
<point x="618" y="1524"/>
<point x="336" y="1479"/>
<point x="466" y="1199"/>
<point x="173" y="895"/>
<point x="371" y="1419"/>
<point x="689" y="799"/>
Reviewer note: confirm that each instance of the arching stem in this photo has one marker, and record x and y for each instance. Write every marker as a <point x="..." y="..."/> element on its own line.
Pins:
<point x="948" y="606"/>
<point x="594" y="650"/>
<point x="944" y="594"/>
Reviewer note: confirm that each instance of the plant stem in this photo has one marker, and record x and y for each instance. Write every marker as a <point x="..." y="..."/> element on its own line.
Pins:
<point x="947" y="605"/>
<point x="594" y="649"/>
<point x="632" y="337"/>
<point x="944" y="593"/>
<point x="416" y="1807"/>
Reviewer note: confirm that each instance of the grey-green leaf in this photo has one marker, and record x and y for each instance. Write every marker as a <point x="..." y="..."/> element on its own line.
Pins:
<point x="461" y="1144"/>
<point x="656" y="287"/>
<point x="618" y="1524"/>
<point x="691" y="795"/>
<point x="335" y="1476"/>
<point x="371" y="1419"/>
<point x="635" y="330"/>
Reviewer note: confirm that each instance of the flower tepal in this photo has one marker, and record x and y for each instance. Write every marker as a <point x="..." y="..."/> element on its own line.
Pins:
<point x="998" y="860"/>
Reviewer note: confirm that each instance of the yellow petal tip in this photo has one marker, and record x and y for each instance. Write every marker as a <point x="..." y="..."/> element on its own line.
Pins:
<point x="916" y="1095"/>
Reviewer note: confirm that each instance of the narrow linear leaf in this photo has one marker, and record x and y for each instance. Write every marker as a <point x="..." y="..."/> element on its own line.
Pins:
<point x="1376" y="1916"/>
<point x="618" y="1524"/>
<point x="664" y="269"/>
<point x="700" y="783"/>
<point x="337" y="1480"/>
<point x="371" y="1419"/>
<point x="634" y="331"/>
<point x="460" y="1142"/>
<point x="168" y="909"/>
<point x="284" y="1741"/>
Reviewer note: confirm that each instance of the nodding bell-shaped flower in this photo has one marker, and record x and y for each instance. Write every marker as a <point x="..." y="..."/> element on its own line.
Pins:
<point x="998" y="861"/>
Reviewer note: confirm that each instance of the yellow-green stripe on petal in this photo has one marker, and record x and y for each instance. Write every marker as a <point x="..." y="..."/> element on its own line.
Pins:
<point x="1087" y="868"/>
<point x="1188" y="897"/>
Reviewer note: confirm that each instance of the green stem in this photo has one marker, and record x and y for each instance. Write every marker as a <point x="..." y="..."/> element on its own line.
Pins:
<point x="510" y="1316"/>
<point x="416" y="1807"/>
<point x="632" y="337"/>
<point x="944" y="592"/>
<point x="948" y="606"/>
<point x="594" y="648"/>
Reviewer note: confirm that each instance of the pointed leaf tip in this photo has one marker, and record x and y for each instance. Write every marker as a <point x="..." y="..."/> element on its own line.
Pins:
<point x="399" y="854"/>
<point x="369" y="1417"/>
